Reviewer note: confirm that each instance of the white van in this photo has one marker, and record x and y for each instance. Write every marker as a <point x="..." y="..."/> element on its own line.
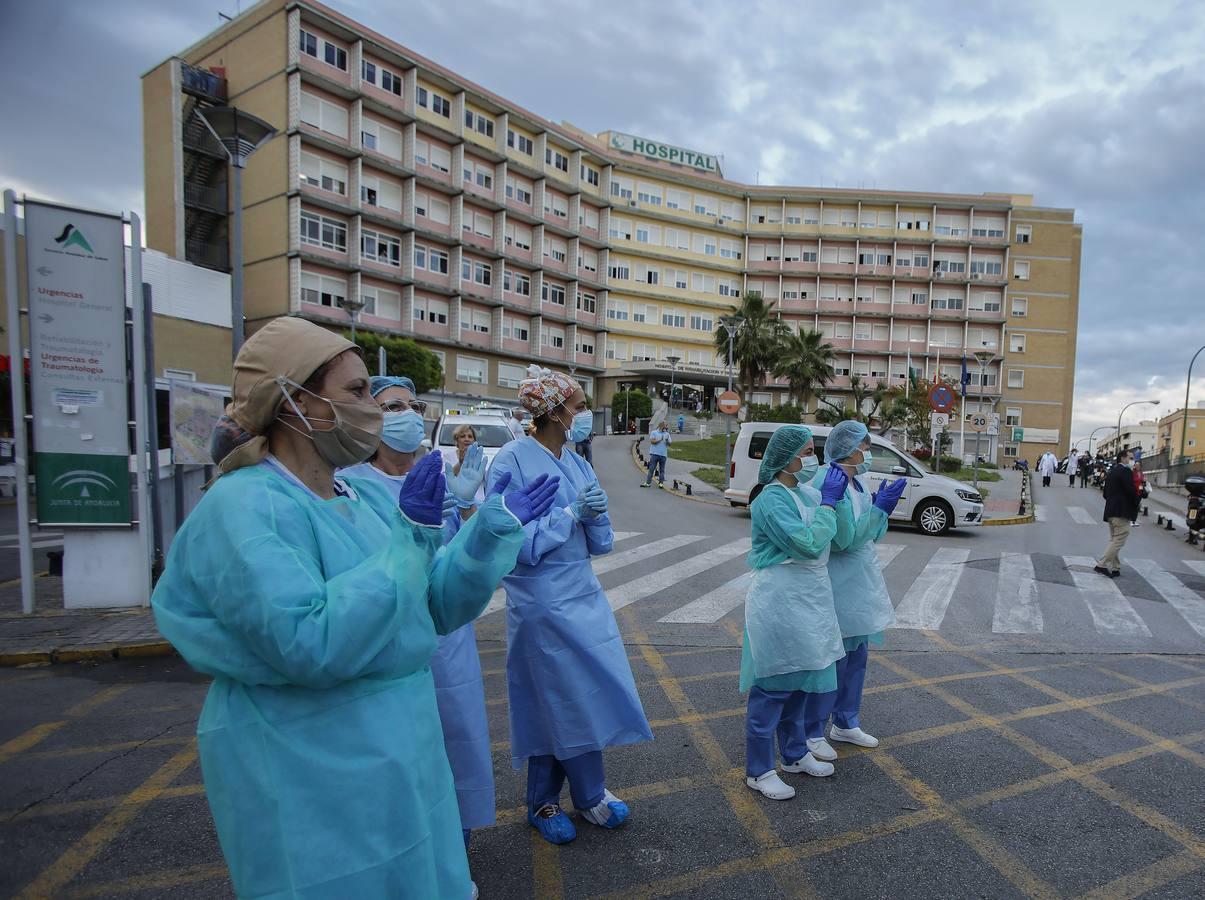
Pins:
<point x="492" y="432"/>
<point x="934" y="503"/>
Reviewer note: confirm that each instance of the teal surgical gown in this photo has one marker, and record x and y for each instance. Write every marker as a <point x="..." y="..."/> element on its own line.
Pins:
<point x="567" y="672"/>
<point x="320" y="740"/>
<point x="459" y="690"/>
<point x="792" y="639"/>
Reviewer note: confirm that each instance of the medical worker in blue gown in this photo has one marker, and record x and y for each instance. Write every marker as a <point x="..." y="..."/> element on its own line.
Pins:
<point x="863" y="605"/>
<point x="315" y="606"/>
<point x="571" y="688"/>
<point x="792" y="640"/>
<point x="459" y="687"/>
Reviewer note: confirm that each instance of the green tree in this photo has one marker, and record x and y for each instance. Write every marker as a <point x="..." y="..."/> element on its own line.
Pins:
<point x="755" y="347"/>
<point x="402" y="357"/>
<point x="805" y="360"/>
<point x="635" y="403"/>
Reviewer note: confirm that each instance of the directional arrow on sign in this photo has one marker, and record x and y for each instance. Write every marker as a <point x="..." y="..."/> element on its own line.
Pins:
<point x="44" y="271"/>
<point x="46" y="317"/>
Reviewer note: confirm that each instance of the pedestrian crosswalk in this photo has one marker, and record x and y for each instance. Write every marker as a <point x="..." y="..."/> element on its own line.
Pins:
<point x="40" y="540"/>
<point x="687" y="580"/>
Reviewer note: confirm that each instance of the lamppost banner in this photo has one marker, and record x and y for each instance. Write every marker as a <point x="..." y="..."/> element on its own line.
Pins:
<point x="76" y="282"/>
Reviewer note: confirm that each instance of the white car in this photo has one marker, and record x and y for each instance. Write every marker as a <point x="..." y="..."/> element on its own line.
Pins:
<point x="491" y="430"/>
<point x="934" y="503"/>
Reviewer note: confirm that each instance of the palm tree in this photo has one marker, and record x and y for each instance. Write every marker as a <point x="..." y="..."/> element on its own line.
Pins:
<point x="755" y="346"/>
<point x="805" y="360"/>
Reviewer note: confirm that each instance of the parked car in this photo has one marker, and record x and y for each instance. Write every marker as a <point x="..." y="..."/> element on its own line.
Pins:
<point x="491" y="430"/>
<point x="934" y="503"/>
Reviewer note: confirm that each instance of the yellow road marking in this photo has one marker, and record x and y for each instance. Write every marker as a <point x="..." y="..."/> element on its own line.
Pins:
<point x="546" y="880"/>
<point x="1146" y="879"/>
<point x="31" y="738"/>
<point x="78" y="855"/>
<point x="1007" y="865"/>
<point x="151" y="881"/>
<point x="111" y="748"/>
<point x="71" y="807"/>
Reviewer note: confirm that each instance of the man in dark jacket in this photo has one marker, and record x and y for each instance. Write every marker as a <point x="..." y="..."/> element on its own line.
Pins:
<point x="1121" y="506"/>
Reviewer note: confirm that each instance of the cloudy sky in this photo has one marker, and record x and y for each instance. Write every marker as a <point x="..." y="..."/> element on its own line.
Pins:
<point x="1091" y="105"/>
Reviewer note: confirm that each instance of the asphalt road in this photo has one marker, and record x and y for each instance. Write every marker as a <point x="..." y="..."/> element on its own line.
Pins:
<point x="43" y="541"/>
<point x="1043" y="735"/>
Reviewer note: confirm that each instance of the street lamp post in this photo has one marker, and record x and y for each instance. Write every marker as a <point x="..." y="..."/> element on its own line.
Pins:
<point x="673" y="370"/>
<point x="353" y="305"/>
<point x="1187" y="386"/>
<point x="1093" y="435"/>
<point x="731" y="325"/>
<point x="1123" y="409"/>
<point x="240" y="135"/>
<point x="985" y="358"/>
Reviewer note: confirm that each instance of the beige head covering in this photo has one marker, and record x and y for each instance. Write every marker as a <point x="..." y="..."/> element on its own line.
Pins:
<point x="287" y="346"/>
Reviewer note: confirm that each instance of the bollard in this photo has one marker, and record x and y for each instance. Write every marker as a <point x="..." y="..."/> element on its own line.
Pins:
<point x="1170" y="526"/>
<point x="689" y="492"/>
<point x="1146" y="510"/>
<point x="1192" y="538"/>
<point x="1159" y="520"/>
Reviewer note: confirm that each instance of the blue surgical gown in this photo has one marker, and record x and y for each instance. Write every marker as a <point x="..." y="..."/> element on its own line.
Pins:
<point x="860" y="596"/>
<point x="459" y="691"/>
<point x="570" y="683"/>
<point x="320" y="740"/>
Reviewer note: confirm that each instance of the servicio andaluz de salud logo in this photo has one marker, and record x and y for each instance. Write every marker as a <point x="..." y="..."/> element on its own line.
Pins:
<point x="72" y="236"/>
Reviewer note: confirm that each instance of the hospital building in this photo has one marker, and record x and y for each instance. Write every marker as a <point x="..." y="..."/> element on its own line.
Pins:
<point x="495" y="237"/>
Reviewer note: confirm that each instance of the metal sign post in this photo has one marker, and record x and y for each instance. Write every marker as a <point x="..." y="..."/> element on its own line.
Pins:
<point x="17" y="384"/>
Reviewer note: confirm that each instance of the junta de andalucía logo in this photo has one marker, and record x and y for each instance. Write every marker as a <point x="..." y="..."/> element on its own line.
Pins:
<point x="83" y="479"/>
<point x="73" y="237"/>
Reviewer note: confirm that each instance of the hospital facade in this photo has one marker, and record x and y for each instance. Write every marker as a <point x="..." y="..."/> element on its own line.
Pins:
<point x="495" y="237"/>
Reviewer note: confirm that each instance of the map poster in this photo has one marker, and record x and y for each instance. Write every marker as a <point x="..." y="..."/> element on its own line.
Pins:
<point x="193" y="415"/>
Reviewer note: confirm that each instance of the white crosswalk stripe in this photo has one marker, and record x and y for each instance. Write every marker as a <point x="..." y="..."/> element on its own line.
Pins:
<point x="1111" y="611"/>
<point x="1017" y="610"/>
<point x="1082" y="516"/>
<point x="1171" y="589"/>
<point x="629" y="593"/>
<point x="713" y="605"/>
<point x="925" y="604"/>
<point x="888" y="552"/>
<point x="612" y="561"/>
<point x="1196" y="565"/>
<point x="36" y="544"/>
<point x="1039" y="512"/>
<point x="624" y="535"/>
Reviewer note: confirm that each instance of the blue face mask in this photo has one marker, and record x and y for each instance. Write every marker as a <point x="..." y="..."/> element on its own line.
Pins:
<point x="864" y="466"/>
<point x="403" y="431"/>
<point x="583" y="424"/>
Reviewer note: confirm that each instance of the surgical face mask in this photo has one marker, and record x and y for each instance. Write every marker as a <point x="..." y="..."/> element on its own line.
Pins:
<point x="864" y="466"/>
<point x="403" y="431"/>
<point x="355" y="431"/>
<point x="580" y="426"/>
<point x="811" y="464"/>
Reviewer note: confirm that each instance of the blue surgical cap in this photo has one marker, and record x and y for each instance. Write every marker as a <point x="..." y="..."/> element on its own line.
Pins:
<point x="783" y="447"/>
<point x="844" y="439"/>
<point x="378" y="383"/>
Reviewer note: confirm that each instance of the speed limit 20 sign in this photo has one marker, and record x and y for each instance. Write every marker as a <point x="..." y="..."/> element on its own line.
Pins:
<point x="978" y="422"/>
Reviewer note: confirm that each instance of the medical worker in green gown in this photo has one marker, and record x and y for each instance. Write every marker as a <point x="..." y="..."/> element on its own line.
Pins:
<point x="792" y="639"/>
<point x="860" y="596"/>
<point x="316" y="607"/>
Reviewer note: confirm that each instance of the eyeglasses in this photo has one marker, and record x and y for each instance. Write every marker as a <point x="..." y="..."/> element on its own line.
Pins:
<point x="397" y="406"/>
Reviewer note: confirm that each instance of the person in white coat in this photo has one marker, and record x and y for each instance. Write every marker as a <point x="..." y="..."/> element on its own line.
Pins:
<point x="1046" y="466"/>
<point x="1072" y="467"/>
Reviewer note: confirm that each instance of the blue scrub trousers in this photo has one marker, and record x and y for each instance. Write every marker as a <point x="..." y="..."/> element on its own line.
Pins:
<point x="773" y="713"/>
<point x="546" y="776"/>
<point x="845" y="702"/>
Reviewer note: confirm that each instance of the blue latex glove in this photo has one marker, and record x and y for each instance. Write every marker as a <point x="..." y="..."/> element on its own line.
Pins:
<point x="450" y="504"/>
<point x="832" y="489"/>
<point x="889" y="495"/>
<point x="529" y="503"/>
<point x="422" y="498"/>
<point x="596" y="498"/>
<point x="581" y="508"/>
<point x="472" y="475"/>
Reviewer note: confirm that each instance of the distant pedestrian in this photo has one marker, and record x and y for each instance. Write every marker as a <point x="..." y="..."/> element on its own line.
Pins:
<point x="585" y="449"/>
<point x="681" y="423"/>
<point x="1085" y="470"/>
<point x="1072" y="468"/>
<point x="698" y="407"/>
<point x="1046" y="466"/>
<point x="659" y="442"/>
<point x="1121" y="506"/>
<point x="1141" y="488"/>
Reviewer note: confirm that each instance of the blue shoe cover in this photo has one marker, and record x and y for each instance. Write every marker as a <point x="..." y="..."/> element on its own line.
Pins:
<point x="614" y="810"/>
<point x="556" y="828"/>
